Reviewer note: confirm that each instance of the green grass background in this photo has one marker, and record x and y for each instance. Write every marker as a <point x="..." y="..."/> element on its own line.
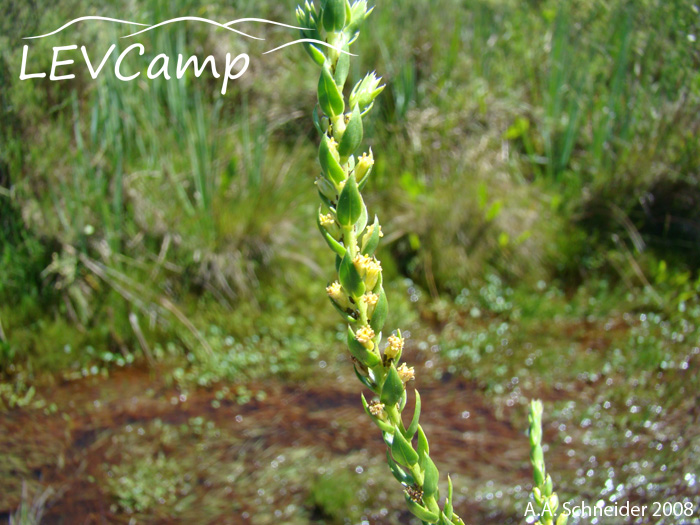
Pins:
<point x="537" y="177"/>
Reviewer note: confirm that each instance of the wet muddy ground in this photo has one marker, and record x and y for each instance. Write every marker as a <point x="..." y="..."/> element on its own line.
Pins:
<point x="68" y="450"/>
<point x="132" y="447"/>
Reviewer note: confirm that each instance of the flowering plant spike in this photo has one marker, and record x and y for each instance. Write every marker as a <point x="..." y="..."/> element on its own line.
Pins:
<point x="357" y="293"/>
<point x="542" y="491"/>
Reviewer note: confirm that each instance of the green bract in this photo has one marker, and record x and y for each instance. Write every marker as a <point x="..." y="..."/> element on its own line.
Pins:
<point x="392" y="388"/>
<point x="329" y="96"/>
<point x="306" y="17"/>
<point x="334" y="15"/>
<point x="352" y="135"/>
<point x="349" y="276"/>
<point x="342" y="67"/>
<point x="402" y="451"/>
<point x="370" y="241"/>
<point x="330" y="161"/>
<point x="381" y="310"/>
<point x="350" y="204"/>
<point x="421" y="512"/>
<point x="430" y="482"/>
<point x="365" y="91"/>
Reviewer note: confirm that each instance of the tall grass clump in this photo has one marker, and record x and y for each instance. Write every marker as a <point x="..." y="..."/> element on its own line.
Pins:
<point x="614" y="94"/>
<point x="578" y="118"/>
<point x="129" y="205"/>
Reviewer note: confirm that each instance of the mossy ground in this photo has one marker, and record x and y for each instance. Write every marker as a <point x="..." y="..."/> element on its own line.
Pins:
<point x="619" y="423"/>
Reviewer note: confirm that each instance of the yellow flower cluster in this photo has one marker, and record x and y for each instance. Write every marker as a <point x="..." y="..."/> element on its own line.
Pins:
<point x="369" y="269"/>
<point x="395" y="346"/>
<point x="335" y="292"/>
<point x="376" y="408"/>
<point x="364" y="163"/>
<point x="365" y="335"/>
<point x="406" y="373"/>
<point x="370" y="231"/>
<point x="370" y="299"/>
<point x="326" y="220"/>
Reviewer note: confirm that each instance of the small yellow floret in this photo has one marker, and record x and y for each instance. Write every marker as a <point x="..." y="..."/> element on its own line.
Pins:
<point x="369" y="269"/>
<point x="406" y="373"/>
<point x="326" y="220"/>
<point x="370" y="299"/>
<point x="395" y="346"/>
<point x="335" y="292"/>
<point x="376" y="408"/>
<point x="365" y="335"/>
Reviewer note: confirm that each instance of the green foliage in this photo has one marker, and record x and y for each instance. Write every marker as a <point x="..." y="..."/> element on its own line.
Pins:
<point x="520" y="171"/>
<point x="147" y="484"/>
<point x="16" y="396"/>
<point x="333" y="495"/>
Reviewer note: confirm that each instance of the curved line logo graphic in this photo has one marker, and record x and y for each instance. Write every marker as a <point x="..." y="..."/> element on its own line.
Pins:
<point x="235" y="66"/>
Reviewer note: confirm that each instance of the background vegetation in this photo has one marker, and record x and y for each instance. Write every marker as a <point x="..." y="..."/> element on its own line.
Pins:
<point x="539" y="183"/>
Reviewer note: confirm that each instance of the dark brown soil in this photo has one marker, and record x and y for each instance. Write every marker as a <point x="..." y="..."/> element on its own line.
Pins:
<point x="63" y="452"/>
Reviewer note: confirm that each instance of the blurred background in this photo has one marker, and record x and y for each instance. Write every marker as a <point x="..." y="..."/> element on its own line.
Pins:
<point x="167" y="352"/>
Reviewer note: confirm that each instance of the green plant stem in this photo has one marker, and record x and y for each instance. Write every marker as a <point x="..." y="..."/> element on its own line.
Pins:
<point x="543" y="492"/>
<point x="358" y="292"/>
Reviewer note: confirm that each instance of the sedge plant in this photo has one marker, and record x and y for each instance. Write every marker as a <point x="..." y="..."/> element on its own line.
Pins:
<point x="543" y="493"/>
<point x="357" y="293"/>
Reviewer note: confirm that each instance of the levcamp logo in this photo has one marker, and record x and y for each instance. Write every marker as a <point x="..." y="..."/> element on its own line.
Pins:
<point x="161" y="65"/>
